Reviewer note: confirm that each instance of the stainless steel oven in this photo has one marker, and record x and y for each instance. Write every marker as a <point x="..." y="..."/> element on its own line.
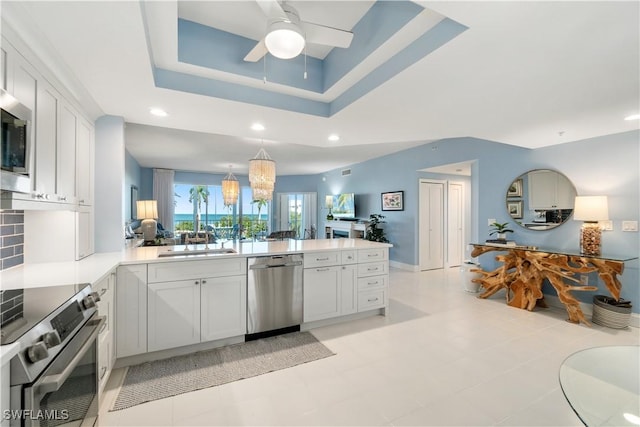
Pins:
<point x="54" y="377"/>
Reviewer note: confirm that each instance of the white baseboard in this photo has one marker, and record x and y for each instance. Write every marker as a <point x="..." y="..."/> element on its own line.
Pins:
<point x="403" y="266"/>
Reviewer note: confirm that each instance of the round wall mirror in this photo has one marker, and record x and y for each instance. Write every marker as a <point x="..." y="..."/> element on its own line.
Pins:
<point x="540" y="199"/>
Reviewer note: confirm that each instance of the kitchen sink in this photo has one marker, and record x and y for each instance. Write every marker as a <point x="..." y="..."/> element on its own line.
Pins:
<point x="197" y="252"/>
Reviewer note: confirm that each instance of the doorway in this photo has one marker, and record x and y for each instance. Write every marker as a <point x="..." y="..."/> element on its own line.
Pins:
<point x="441" y="224"/>
<point x="297" y="211"/>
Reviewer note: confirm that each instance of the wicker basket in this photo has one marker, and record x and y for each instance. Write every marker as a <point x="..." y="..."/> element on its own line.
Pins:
<point x="610" y="315"/>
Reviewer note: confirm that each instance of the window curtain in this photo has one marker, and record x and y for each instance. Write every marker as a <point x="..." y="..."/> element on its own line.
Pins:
<point x="163" y="192"/>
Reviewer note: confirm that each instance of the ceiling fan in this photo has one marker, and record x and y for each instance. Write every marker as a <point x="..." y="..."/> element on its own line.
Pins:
<point x="286" y="34"/>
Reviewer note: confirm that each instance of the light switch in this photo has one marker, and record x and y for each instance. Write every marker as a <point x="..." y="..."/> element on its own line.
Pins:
<point x="606" y="225"/>
<point x="629" y="225"/>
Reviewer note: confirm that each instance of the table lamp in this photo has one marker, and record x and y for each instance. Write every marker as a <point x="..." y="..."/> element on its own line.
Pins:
<point x="148" y="212"/>
<point x="590" y="209"/>
<point x="328" y="201"/>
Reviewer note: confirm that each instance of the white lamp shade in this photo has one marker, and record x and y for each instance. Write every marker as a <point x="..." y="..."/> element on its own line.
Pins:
<point x="328" y="201"/>
<point x="591" y="208"/>
<point x="147" y="209"/>
<point x="284" y="40"/>
<point x="230" y="190"/>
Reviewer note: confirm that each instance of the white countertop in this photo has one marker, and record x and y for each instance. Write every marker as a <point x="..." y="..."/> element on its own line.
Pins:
<point x="95" y="267"/>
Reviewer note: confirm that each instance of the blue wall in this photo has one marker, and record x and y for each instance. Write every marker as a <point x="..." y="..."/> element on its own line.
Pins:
<point x="607" y="165"/>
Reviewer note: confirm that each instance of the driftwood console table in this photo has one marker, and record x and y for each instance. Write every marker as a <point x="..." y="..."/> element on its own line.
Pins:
<point x="524" y="269"/>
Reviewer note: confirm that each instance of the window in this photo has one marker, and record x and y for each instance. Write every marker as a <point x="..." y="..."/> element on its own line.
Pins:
<point x="203" y="205"/>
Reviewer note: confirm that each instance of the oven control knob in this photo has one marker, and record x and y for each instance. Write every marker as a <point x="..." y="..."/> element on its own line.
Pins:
<point x="51" y="339"/>
<point x="37" y="352"/>
<point x="91" y="300"/>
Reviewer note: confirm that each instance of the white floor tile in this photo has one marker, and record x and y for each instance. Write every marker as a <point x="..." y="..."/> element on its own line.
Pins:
<point x="441" y="357"/>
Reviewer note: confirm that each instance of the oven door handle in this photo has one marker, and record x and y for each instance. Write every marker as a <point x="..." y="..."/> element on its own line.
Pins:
<point x="51" y="383"/>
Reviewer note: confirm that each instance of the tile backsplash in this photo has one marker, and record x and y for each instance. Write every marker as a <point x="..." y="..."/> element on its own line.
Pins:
<point x="11" y="238"/>
<point x="11" y="303"/>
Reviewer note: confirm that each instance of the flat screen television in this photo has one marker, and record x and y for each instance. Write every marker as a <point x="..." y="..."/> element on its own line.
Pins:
<point x="344" y="206"/>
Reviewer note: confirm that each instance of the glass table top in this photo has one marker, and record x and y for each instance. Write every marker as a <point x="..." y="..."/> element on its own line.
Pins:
<point x="602" y="385"/>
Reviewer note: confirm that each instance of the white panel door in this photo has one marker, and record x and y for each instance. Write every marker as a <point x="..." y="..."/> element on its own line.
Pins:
<point x="431" y="244"/>
<point x="455" y="221"/>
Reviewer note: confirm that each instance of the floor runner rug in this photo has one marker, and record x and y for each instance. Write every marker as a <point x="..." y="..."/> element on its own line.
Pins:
<point x="181" y="374"/>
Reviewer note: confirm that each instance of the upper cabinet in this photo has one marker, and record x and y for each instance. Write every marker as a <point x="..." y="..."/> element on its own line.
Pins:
<point x="550" y="190"/>
<point x="63" y="144"/>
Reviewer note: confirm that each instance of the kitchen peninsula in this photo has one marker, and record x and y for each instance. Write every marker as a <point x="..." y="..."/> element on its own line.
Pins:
<point x="343" y="279"/>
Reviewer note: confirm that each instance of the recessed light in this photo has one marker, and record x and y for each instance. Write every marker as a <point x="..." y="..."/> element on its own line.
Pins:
<point x="158" y="112"/>
<point x="257" y="126"/>
<point x="633" y="117"/>
<point x="334" y="137"/>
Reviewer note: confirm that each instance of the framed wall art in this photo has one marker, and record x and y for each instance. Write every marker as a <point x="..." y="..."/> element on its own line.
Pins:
<point x="393" y="201"/>
<point x="515" y="190"/>
<point x="515" y="209"/>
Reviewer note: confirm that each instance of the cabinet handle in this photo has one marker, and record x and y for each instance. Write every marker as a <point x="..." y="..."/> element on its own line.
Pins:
<point x="81" y="201"/>
<point x="322" y="269"/>
<point x="103" y="291"/>
<point x="322" y="259"/>
<point x="62" y="198"/>
<point x="204" y="281"/>
<point x="372" y="268"/>
<point x="104" y="326"/>
<point x="102" y="372"/>
<point x="372" y="299"/>
<point x="372" y="255"/>
<point x="197" y="282"/>
<point x="372" y="283"/>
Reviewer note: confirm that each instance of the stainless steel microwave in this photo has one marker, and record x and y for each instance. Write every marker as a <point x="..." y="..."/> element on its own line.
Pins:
<point x="17" y="145"/>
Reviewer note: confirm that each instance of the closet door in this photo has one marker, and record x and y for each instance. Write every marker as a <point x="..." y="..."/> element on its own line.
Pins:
<point x="431" y="228"/>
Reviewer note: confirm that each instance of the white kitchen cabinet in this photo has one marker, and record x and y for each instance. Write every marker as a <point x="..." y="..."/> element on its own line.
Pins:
<point x="47" y="141"/>
<point x="106" y="307"/>
<point x="210" y="302"/>
<point x="85" y="142"/>
<point x="131" y="310"/>
<point x="373" y="279"/>
<point x="66" y="154"/>
<point x="322" y="293"/>
<point x="348" y="289"/>
<point x="330" y="287"/>
<point x="550" y="190"/>
<point x="223" y="307"/>
<point x="174" y="314"/>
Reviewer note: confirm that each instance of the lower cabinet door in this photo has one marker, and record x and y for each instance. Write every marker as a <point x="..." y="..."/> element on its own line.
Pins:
<point x="321" y="294"/>
<point x="223" y="307"/>
<point x="348" y="289"/>
<point x="174" y="314"/>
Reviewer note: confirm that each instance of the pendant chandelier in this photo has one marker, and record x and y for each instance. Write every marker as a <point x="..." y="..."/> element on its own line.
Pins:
<point x="262" y="176"/>
<point x="230" y="189"/>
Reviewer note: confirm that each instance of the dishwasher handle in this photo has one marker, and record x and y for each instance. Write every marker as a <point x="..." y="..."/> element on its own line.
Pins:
<point x="265" y="266"/>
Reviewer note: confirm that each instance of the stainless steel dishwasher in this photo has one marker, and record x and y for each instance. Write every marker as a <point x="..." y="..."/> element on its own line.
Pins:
<point x="274" y="294"/>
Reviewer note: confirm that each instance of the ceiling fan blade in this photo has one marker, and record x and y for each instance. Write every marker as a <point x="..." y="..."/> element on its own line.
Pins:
<point x="258" y="51"/>
<point x="271" y="9"/>
<point x="320" y="34"/>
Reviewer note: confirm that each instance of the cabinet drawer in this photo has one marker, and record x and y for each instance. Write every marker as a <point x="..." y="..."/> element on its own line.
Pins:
<point x="187" y="270"/>
<point x="371" y="300"/>
<point x="373" y="282"/>
<point x="348" y="257"/>
<point x="322" y="259"/>
<point x="373" y="268"/>
<point x="370" y="255"/>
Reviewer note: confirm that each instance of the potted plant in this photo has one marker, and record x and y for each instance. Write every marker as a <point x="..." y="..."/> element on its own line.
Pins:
<point x="500" y="230"/>
<point x="374" y="232"/>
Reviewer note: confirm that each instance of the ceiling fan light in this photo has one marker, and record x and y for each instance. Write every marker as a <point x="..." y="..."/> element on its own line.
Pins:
<point x="284" y="40"/>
